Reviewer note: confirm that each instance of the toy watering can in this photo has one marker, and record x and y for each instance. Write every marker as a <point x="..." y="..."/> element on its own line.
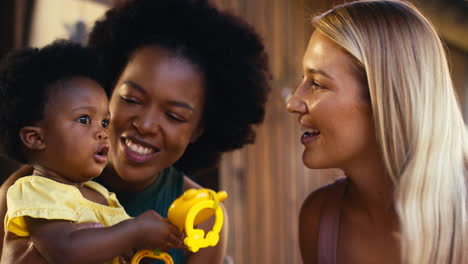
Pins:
<point x="192" y="208"/>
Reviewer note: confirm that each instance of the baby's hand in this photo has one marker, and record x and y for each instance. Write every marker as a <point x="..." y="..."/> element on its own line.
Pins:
<point x="156" y="232"/>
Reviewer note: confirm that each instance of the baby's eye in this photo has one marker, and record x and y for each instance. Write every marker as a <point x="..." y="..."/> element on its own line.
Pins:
<point x="105" y="123"/>
<point x="85" y="120"/>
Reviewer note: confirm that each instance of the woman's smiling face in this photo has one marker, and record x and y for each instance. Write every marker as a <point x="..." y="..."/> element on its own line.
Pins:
<point x="335" y="117"/>
<point x="156" y="110"/>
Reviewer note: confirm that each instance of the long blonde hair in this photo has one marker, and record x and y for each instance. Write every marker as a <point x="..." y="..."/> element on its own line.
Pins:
<point x="418" y="122"/>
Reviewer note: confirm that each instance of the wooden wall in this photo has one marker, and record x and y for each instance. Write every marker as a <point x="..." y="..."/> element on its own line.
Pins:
<point x="267" y="181"/>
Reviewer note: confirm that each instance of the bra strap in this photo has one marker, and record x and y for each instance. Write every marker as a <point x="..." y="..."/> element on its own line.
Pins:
<point x="330" y="224"/>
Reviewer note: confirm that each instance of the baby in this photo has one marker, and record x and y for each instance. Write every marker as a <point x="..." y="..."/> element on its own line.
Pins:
<point x="54" y="115"/>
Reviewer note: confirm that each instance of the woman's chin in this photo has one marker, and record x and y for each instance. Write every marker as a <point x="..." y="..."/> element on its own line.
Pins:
<point x="315" y="162"/>
<point x="136" y="175"/>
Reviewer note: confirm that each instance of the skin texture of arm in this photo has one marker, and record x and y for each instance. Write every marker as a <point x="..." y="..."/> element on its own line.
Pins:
<point x="209" y="255"/>
<point x="60" y="241"/>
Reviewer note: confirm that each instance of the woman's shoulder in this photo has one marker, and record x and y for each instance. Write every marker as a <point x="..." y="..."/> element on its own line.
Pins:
<point x="315" y="200"/>
<point x="309" y="219"/>
<point x="312" y="206"/>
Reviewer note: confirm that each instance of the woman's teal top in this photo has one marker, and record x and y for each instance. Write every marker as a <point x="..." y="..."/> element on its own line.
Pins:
<point x="158" y="197"/>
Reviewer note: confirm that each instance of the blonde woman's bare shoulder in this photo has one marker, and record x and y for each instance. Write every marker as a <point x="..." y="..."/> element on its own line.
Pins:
<point x="309" y="222"/>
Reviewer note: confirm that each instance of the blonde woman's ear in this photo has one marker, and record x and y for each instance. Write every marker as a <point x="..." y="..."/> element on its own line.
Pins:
<point x="32" y="137"/>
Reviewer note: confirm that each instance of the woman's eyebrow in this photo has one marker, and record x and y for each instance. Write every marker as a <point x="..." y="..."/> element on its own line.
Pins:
<point x="317" y="71"/>
<point x="135" y="86"/>
<point x="182" y="104"/>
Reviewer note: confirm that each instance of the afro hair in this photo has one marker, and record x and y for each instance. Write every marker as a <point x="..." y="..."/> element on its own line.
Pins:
<point x="227" y="50"/>
<point x="25" y="77"/>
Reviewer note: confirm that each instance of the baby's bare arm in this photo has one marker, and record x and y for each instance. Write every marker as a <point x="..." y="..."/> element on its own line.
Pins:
<point x="61" y="242"/>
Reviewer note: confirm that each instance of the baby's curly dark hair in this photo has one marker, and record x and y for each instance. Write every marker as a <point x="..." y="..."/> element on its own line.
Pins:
<point x="227" y="50"/>
<point x="25" y="78"/>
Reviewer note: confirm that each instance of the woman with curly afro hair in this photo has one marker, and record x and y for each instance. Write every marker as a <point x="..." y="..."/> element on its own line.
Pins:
<point x="188" y="83"/>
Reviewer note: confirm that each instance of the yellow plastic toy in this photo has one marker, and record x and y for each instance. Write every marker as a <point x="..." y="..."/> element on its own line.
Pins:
<point x="154" y="254"/>
<point x="190" y="209"/>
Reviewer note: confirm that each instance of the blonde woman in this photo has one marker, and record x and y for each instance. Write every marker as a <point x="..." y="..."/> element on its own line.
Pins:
<point x="377" y="101"/>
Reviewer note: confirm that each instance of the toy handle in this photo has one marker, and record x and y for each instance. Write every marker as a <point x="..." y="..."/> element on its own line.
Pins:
<point x="154" y="254"/>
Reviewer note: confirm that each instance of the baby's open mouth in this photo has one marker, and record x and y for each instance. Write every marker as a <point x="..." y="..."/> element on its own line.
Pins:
<point x="103" y="151"/>
<point x="101" y="155"/>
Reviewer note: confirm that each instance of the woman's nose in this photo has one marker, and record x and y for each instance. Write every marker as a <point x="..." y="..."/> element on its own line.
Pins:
<point x="145" y="124"/>
<point x="296" y="104"/>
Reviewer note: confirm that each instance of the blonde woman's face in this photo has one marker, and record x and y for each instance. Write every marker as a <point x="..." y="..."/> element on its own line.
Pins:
<point x="336" y="120"/>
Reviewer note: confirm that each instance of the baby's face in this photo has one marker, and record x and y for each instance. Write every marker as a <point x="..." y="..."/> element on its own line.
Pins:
<point x="75" y="130"/>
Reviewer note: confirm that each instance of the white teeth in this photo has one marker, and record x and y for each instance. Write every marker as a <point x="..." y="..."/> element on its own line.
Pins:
<point x="137" y="148"/>
<point x="310" y="130"/>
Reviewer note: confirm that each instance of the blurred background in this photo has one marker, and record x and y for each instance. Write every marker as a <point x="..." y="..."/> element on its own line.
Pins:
<point x="266" y="182"/>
